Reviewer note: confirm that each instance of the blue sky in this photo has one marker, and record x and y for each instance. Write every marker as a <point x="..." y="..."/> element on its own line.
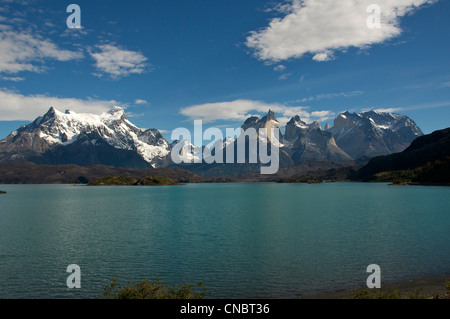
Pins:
<point x="170" y="62"/>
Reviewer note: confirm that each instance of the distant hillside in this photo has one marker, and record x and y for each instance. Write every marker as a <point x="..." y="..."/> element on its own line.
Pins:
<point x="327" y="171"/>
<point x="425" y="161"/>
<point x="30" y="173"/>
<point x="130" y="181"/>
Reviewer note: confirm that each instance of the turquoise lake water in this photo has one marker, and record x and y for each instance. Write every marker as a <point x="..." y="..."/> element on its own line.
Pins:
<point x="241" y="240"/>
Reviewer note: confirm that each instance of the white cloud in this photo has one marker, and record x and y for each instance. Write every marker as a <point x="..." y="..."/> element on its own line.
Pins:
<point x="12" y="78"/>
<point x="25" y="46"/>
<point x="141" y="102"/>
<point x="21" y="51"/>
<point x="387" y="110"/>
<point x="426" y="106"/>
<point x="74" y="32"/>
<point x="19" y="107"/>
<point x="322" y="27"/>
<point x="117" y="62"/>
<point x="131" y="114"/>
<point x="324" y="96"/>
<point x="279" y="68"/>
<point x="284" y="76"/>
<point x="324" y="56"/>
<point x="240" y="110"/>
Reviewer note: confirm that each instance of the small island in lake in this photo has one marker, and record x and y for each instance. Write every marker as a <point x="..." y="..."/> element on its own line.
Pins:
<point x="156" y="180"/>
<point x="130" y="181"/>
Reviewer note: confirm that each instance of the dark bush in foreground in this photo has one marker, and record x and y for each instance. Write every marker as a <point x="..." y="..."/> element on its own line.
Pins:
<point x="368" y="294"/>
<point x="154" y="290"/>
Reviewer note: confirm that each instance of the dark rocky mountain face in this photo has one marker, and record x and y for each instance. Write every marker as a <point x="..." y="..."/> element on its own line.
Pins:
<point x="306" y="142"/>
<point x="373" y="133"/>
<point x="301" y="142"/>
<point x="268" y="121"/>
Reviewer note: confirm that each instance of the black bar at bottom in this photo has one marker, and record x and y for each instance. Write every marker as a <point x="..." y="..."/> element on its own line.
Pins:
<point x="223" y="308"/>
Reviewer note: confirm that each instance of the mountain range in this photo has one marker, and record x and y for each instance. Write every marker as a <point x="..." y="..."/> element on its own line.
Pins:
<point x="58" y="138"/>
<point x="426" y="162"/>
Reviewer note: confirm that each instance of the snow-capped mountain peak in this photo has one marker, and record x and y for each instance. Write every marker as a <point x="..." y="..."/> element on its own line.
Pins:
<point x="65" y="128"/>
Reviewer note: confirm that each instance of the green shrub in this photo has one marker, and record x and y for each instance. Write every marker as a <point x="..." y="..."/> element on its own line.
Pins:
<point x="114" y="181"/>
<point x="392" y="294"/>
<point x="363" y="294"/>
<point x="448" y="290"/>
<point x="156" y="180"/>
<point x="154" y="290"/>
<point x="368" y="294"/>
<point x="417" y="295"/>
